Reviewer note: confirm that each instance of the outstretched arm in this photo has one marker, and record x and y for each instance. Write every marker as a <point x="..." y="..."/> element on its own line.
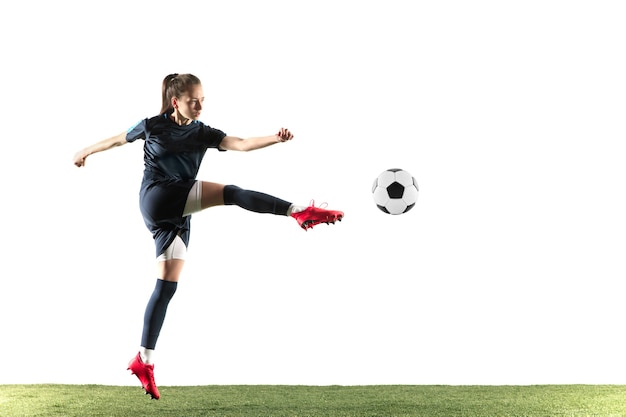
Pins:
<point x="233" y="143"/>
<point x="81" y="156"/>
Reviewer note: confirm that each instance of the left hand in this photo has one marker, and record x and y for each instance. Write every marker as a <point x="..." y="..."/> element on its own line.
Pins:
<point x="284" y="135"/>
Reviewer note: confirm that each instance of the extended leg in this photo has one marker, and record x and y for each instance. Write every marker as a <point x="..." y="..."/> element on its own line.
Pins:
<point x="208" y="194"/>
<point x="255" y="201"/>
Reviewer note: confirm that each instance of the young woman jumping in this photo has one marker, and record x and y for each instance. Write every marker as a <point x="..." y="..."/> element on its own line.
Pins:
<point x="175" y="143"/>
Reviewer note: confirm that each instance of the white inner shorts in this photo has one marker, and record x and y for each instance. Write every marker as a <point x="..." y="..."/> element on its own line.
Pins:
<point x="177" y="249"/>
<point x="194" y="199"/>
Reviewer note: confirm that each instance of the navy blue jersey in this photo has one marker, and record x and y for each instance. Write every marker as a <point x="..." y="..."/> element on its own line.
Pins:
<point x="171" y="151"/>
<point x="172" y="158"/>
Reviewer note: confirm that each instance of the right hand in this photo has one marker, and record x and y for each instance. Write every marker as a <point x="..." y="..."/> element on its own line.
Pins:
<point x="103" y="145"/>
<point x="79" y="158"/>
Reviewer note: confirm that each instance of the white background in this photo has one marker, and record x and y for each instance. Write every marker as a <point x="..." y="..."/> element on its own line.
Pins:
<point x="509" y="270"/>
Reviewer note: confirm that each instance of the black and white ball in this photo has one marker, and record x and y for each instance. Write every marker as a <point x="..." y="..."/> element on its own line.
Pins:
<point x="395" y="191"/>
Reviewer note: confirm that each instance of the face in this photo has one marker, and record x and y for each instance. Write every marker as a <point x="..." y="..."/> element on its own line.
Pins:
<point x="189" y="105"/>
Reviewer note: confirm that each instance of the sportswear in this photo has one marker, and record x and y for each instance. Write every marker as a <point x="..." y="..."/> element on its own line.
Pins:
<point x="145" y="373"/>
<point x="154" y="315"/>
<point x="312" y="216"/>
<point x="172" y="158"/>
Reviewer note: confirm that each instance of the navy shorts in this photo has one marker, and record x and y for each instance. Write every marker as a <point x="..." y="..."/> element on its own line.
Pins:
<point x="162" y="204"/>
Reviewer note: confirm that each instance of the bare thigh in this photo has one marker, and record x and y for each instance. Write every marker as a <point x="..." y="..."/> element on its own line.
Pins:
<point x="212" y="194"/>
<point x="170" y="270"/>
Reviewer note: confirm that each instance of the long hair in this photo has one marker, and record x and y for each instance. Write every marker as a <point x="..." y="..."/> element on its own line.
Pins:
<point x="175" y="85"/>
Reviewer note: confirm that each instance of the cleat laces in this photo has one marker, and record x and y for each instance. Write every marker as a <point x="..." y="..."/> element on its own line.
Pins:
<point x="312" y="215"/>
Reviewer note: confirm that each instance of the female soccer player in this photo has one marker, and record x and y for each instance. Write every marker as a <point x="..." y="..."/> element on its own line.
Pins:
<point x="175" y="143"/>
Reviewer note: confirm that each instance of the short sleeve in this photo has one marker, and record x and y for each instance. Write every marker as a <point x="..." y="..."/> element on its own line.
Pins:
<point x="137" y="131"/>
<point x="213" y="137"/>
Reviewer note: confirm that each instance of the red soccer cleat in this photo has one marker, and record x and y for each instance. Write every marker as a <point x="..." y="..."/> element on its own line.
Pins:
<point x="145" y="373"/>
<point x="312" y="216"/>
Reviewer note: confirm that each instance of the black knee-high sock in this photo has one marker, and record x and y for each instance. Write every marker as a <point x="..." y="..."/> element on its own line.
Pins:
<point x="155" y="312"/>
<point x="255" y="201"/>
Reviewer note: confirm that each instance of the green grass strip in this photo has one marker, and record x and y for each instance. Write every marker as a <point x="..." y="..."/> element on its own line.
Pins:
<point x="305" y="401"/>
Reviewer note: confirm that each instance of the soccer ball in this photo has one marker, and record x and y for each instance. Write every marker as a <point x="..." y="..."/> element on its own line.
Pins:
<point x="395" y="191"/>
